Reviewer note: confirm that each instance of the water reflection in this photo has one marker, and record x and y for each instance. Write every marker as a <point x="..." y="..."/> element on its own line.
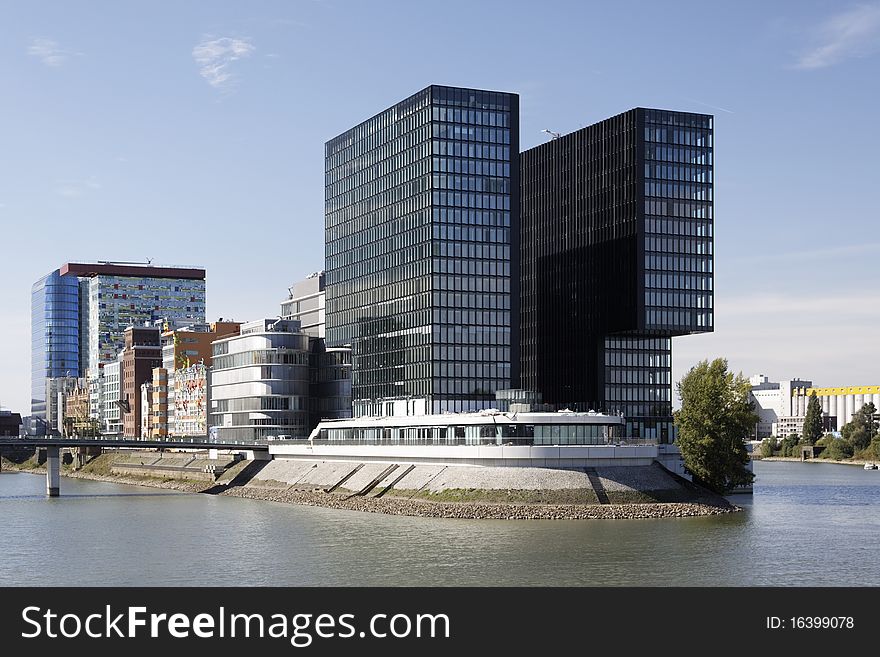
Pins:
<point x="144" y="536"/>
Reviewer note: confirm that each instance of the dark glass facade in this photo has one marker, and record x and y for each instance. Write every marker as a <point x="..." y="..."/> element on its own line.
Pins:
<point x="616" y="259"/>
<point x="421" y="210"/>
<point x="55" y="314"/>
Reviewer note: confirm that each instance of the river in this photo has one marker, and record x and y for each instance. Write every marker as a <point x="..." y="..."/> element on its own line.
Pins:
<point x="805" y="525"/>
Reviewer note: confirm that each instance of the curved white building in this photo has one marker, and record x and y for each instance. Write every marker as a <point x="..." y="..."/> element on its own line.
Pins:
<point x="260" y="382"/>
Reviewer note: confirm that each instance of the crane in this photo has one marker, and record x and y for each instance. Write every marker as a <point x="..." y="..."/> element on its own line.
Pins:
<point x="553" y="135"/>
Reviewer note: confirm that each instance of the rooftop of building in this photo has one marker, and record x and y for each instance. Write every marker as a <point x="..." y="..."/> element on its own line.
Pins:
<point x="132" y="269"/>
<point x="268" y="325"/>
<point x="471" y="102"/>
<point x="488" y="416"/>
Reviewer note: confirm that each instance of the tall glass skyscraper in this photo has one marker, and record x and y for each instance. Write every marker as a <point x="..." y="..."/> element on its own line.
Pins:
<point x="55" y="316"/>
<point x="421" y="210"/>
<point x="617" y="258"/>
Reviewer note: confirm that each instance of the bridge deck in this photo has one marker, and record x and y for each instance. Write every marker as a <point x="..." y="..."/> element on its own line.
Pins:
<point x="120" y="442"/>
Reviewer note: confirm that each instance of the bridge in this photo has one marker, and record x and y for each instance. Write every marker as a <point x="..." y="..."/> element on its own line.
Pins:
<point x="53" y="446"/>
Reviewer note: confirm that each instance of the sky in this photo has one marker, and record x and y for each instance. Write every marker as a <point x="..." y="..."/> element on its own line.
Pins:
<point x="193" y="133"/>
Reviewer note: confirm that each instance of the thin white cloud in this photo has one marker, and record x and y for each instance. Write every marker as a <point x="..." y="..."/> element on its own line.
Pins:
<point x="49" y="52"/>
<point x="77" y="188"/>
<point x="852" y="33"/>
<point x="699" y="102"/>
<point x="68" y="190"/>
<point x="214" y="57"/>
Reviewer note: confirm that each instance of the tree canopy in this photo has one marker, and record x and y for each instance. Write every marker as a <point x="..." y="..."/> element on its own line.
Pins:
<point x="715" y="418"/>
<point x="812" y="421"/>
<point x="862" y="428"/>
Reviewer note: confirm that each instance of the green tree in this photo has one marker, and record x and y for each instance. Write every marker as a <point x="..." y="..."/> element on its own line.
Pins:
<point x="813" y="421"/>
<point x="860" y="431"/>
<point x="838" y="449"/>
<point x="715" y="418"/>
<point x="788" y="444"/>
<point x="768" y="446"/>
<point x="875" y="446"/>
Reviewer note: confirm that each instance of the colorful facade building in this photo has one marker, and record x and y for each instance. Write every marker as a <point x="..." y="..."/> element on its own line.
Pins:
<point x="191" y="400"/>
<point x="182" y="348"/>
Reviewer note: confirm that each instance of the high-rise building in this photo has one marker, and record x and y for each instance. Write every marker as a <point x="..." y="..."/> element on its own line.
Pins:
<point x="420" y="228"/>
<point x="55" y="343"/>
<point x="305" y="304"/>
<point x="120" y="296"/>
<point x="616" y="260"/>
<point x="329" y="368"/>
<point x="80" y="311"/>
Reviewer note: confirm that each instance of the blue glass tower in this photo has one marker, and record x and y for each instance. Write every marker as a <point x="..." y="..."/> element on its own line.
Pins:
<point x="54" y="337"/>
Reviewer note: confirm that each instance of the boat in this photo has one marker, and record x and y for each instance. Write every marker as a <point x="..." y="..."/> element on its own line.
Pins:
<point x="871" y="466"/>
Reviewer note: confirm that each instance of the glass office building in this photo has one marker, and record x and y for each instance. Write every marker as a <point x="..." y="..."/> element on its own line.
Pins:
<point x="421" y="229"/>
<point x="55" y="315"/>
<point x="616" y="260"/>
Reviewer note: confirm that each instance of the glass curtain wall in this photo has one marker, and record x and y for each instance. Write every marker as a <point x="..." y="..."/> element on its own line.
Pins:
<point x="54" y="336"/>
<point x="419" y="241"/>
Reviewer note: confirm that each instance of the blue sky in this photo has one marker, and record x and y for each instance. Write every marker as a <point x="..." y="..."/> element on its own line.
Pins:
<point x="192" y="133"/>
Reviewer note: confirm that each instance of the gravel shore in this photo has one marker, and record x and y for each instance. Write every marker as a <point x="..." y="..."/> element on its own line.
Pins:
<point x="400" y="506"/>
<point x="486" y="511"/>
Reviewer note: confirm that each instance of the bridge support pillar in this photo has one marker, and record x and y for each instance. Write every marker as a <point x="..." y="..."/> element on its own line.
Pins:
<point x="53" y="471"/>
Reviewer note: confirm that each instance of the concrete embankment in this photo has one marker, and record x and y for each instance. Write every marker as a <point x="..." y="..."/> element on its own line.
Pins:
<point x="481" y="492"/>
<point x="422" y="490"/>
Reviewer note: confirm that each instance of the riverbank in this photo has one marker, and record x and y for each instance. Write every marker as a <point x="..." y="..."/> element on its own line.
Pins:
<point x="795" y="459"/>
<point x="402" y="506"/>
<point x="433" y="491"/>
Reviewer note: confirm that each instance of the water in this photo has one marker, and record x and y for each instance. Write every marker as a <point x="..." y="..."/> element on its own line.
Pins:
<point x="805" y="525"/>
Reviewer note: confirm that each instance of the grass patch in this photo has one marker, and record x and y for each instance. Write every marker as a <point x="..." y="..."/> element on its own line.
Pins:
<point x="267" y="483"/>
<point x="649" y="496"/>
<point x="100" y="465"/>
<point x="509" y="496"/>
<point x="31" y="464"/>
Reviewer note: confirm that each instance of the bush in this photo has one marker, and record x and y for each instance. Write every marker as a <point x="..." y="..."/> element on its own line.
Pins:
<point x="788" y="446"/>
<point x="838" y="450"/>
<point x="875" y="447"/>
<point x="768" y="446"/>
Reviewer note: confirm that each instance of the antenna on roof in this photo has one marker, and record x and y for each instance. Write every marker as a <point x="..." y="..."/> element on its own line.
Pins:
<point x="553" y="135"/>
<point x="122" y="262"/>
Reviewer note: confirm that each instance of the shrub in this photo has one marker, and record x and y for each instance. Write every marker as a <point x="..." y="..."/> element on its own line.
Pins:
<point x="839" y="449"/>
<point x="768" y="446"/>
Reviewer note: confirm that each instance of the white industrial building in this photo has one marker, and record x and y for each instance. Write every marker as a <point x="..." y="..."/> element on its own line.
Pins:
<point x="776" y="400"/>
